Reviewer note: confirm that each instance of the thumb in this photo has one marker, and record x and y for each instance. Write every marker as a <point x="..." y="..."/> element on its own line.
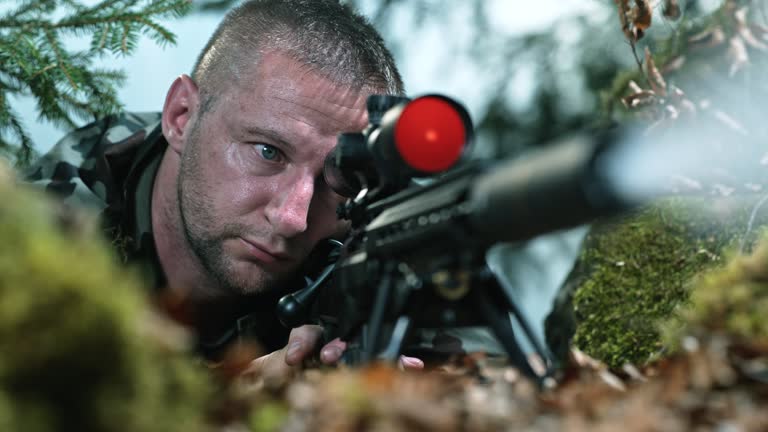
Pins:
<point x="301" y="344"/>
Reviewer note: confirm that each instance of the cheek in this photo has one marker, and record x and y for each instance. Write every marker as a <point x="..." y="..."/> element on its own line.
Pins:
<point x="235" y="189"/>
<point x="246" y="195"/>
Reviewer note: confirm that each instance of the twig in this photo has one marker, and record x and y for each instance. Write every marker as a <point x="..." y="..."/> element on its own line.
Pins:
<point x="43" y="70"/>
<point x="59" y="58"/>
<point x="629" y="36"/>
<point x="103" y="40"/>
<point x="639" y="62"/>
<point x="124" y="40"/>
<point x="752" y="221"/>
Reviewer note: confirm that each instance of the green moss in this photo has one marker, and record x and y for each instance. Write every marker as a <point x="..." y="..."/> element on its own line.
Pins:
<point x="76" y="352"/>
<point x="638" y="269"/>
<point x="731" y="300"/>
<point x="269" y="416"/>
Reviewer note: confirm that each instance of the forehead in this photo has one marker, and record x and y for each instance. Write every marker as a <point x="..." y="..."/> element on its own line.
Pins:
<point x="283" y="87"/>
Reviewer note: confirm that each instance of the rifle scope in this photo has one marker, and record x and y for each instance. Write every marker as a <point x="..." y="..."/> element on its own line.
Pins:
<point x="405" y="139"/>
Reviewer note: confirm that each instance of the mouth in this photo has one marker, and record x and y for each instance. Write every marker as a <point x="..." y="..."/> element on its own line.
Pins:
<point x="264" y="254"/>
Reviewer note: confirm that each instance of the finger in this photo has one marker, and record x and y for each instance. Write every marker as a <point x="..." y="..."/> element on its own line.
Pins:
<point x="270" y="364"/>
<point x="332" y="351"/>
<point x="301" y="343"/>
<point x="410" y="363"/>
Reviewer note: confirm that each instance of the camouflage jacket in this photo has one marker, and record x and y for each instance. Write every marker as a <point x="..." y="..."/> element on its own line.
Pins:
<point x="110" y="166"/>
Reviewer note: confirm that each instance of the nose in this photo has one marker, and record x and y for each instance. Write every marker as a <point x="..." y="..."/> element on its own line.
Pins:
<point x="288" y="210"/>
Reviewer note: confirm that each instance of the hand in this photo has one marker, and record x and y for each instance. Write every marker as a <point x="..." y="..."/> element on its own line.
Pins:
<point x="302" y="343"/>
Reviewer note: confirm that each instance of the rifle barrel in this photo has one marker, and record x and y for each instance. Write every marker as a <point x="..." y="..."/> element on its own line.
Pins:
<point x="561" y="186"/>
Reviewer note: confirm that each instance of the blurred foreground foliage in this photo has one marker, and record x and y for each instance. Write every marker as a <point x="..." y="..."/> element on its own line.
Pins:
<point x="81" y="347"/>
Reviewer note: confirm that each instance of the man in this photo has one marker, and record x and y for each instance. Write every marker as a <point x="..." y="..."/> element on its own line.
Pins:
<point x="223" y="194"/>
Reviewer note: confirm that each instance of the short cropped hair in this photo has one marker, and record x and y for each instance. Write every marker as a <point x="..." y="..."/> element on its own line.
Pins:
<point x="327" y="36"/>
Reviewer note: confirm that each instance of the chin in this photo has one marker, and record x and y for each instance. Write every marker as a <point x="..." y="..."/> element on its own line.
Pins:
<point x="250" y="280"/>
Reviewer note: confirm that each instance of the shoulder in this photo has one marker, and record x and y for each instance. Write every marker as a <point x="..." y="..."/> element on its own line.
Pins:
<point x="78" y="167"/>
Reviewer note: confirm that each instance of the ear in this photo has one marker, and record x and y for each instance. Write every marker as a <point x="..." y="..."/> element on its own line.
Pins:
<point x="181" y="104"/>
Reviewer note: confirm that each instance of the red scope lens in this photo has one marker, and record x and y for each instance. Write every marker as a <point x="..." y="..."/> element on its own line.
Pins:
<point x="430" y="134"/>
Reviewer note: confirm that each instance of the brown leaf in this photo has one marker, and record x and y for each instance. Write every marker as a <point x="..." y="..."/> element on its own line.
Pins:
<point x="674" y="382"/>
<point x="585" y="361"/>
<point x="674" y="64"/>
<point x="641" y="17"/>
<point x="634" y="87"/>
<point x="681" y="101"/>
<point x="730" y="122"/>
<point x="623" y="7"/>
<point x="645" y="97"/>
<point x="708" y="38"/>
<point x="658" y="84"/>
<point x="737" y="54"/>
<point x="612" y="380"/>
<point x="745" y="32"/>
<point x="671" y="9"/>
<point x="633" y="372"/>
<point x="672" y="112"/>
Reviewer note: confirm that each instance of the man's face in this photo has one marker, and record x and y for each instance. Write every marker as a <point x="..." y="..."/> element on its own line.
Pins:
<point x="252" y="197"/>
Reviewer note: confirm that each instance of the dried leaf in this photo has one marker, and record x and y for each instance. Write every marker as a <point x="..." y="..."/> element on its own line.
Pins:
<point x="584" y="360"/>
<point x="645" y="97"/>
<point x="730" y="122"/>
<point x="681" y="102"/>
<point x="708" y="38"/>
<point x="671" y="9"/>
<point x="675" y="382"/>
<point x="612" y="380"/>
<point x="658" y="84"/>
<point x="737" y="54"/>
<point x="641" y="17"/>
<point x="672" y="112"/>
<point x="633" y="372"/>
<point x="634" y="87"/>
<point x="674" y="64"/>
<point x="623" y="7"/>
<point x="745" y="32"/>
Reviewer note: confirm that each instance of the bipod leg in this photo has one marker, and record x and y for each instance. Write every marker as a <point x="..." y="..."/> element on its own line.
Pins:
<point x="498" y="321"/>
<point x="490" y="279"/>
<point x="392" y="351"/>
<point x="380" y="306"/>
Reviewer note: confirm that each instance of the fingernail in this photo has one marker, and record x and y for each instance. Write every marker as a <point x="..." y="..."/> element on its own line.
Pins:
<point x="413" y="362"/>
<point x="293" y="349"/>
<point x="330" y="354"/>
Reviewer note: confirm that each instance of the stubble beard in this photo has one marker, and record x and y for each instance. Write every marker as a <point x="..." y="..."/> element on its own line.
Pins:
<point x="206" y="238"/>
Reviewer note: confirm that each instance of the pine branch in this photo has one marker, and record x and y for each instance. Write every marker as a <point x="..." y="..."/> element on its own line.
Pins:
<point x="35" y="62"/>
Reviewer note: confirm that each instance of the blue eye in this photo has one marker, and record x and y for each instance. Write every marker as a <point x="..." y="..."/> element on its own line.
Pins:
<point x="268" y="152"/>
